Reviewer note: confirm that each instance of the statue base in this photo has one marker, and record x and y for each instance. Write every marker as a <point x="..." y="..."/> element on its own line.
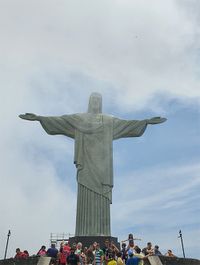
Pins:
<point x="89" y="240"/>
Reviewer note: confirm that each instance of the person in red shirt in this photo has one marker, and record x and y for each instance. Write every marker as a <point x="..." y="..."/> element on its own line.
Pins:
<point x="42" y="251"/>
<point x="62" y="257"/>
<point x="67" y="246"/>
<point x="26" y="254"/>
<point x="64" y="253"/>
<point x="19" y="254"/>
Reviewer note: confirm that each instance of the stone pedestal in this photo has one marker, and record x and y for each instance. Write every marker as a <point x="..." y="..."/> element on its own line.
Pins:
<point x="89" y="240"/>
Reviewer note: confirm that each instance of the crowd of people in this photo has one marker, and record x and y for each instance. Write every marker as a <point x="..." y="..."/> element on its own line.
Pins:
<point x="109" y="254"/>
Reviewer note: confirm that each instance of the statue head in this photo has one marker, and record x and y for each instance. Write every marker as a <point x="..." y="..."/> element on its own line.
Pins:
<point x="95" y="103"/>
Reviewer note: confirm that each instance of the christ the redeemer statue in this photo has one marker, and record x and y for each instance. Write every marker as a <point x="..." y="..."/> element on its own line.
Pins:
<point x="93" y="133"/>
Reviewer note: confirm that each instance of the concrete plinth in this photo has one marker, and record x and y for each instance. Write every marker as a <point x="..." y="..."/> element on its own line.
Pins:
<point x="89" y="240"/>
<point x="163" y="260"/>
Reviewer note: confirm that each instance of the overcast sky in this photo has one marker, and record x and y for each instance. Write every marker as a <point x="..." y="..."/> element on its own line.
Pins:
<point x="143" y="57"/>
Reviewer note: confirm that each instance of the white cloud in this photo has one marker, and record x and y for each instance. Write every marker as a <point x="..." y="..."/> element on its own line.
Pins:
<point x="138" y="47"/>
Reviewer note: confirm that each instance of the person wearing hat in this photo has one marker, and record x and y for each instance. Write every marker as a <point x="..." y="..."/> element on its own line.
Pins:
<point x="132" y="260"/>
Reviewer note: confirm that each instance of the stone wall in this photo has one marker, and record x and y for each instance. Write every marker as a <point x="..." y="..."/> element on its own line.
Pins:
<point x="162" y="260"/>
<point x="29" y="261"/>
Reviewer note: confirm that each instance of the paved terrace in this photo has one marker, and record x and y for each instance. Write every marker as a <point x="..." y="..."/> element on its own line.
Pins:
<point x="153" y="260"/>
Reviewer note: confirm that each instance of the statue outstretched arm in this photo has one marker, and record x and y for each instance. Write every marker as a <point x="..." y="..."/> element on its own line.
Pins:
<point x="29" y="117"/>
<point x="133" y="128"/>
<point x="53" y="125"/>
<point x="156" y="120"/>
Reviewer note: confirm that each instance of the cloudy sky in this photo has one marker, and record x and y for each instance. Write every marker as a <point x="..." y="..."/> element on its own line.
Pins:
<point x="143" y="57"/>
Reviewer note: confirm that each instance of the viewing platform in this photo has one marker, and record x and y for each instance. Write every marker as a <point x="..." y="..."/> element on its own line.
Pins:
<point x="152" y="260"/>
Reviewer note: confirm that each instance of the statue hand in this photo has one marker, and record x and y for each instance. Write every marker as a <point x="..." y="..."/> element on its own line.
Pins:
<point x="156" y="120"/>
<point x="29" y="116"/>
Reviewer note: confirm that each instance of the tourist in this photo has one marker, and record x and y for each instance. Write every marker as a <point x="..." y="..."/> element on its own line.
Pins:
<point x="42" y="251"/>
<point x="130" y="241"/>
<point x="84" y="256"/>
<point x="157" y="251"/>
<point x="115" y="250"/>
<point x="138" y="253"/>
<point x="124" y="253"/>
<point x="119" y="259"/>
<point x="132" y="260"/>
<point x="26" y="254"/>
<point x="169" y="253"/>
<point x="98" y="254"/>
<point x="107" y="251"/>
<point x="111" y="261"/>
<point x="62" y="244"/>
<point x="89" y="255"/>
<point x="78" y="252"/>
<point x="63" y="253"/>
<point x="78" y="248"/>
<point x="94" y="245"/>
<point x="73" y="259"/>
<point x="19" y="254"/>
<point x="148" y="249"/>
<point x="67" y="246"/>
<point x="53" y="253"/>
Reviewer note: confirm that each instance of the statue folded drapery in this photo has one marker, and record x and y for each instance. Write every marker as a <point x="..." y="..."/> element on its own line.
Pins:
<point x="93" y="133"/>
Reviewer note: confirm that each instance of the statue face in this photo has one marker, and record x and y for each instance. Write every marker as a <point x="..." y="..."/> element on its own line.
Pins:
<point x="95" y="103"/>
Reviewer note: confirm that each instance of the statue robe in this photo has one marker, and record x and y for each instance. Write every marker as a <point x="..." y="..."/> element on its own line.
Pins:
<point x="93" y="157"/>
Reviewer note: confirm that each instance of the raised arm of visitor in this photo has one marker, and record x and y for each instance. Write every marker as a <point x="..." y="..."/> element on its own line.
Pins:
<point x="132" y="128"/>
<point x="53" y="125"/>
